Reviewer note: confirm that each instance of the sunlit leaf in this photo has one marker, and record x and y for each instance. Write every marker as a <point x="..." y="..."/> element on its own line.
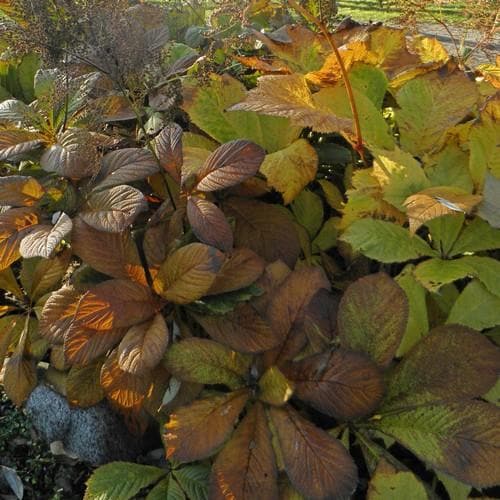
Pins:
<point x="186" y="437"/>
<point x="143" y="346"/>
<point x="246" y="467"/>
<point x="372" y="317"/>
<point x="19" y="191"/>
<point x="207" y="362"/>
<point x="44" y="239"/>
<point x="188" y="273"/>
<point x="274" y="388"/>
<point x="330" y="471"/>
<point x="209" y="223"/>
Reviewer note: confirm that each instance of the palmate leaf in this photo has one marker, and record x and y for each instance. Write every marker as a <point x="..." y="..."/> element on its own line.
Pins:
<point x="308" y="210"/>
<point x="126" y="165"/>
<point x="168" y="145"/>
<point x="186" y="437"/>
<point x="451" y="363"/>
<point x="209" y="223"/>
<point x="114" y="254"/>
<point x="75" y="155"/>
<point x="19" y="191"/>
<point x="240" y="269"/>
<point x="44" y="240"/>
<point x="243" y="329"/>
<point x="194" y="480"/>
<point x="437" y="201"/>
<point x="289" y="96"/>
<point x="19" y="378"/>
<point x="344" y="384"/>
<point x="83" y="387"/>
<point x="330" y="471"/>
<point x="167" y="489"/>
<point x="461" y="439"/>
<point x="143" y="346"/>
<point x="274" y="388"/>
<point x="385" y="241"/>
<point x="477" y="236"/>
<point x="124" y="390"/>
<point x="207" y="362"/>
<point x="372" y="317"/>
<point x="229" y="165"/>
<point x="188" y="273"/>
<point x="113" y="210"/>
<point x="246" y="467"/>
<point x="121" y="480"/>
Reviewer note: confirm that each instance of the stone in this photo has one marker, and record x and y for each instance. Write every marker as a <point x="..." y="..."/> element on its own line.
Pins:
<point x="96" y="435"/>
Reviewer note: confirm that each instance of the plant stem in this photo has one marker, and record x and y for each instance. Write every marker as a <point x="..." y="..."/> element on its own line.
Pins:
<point x="358" y="145"/>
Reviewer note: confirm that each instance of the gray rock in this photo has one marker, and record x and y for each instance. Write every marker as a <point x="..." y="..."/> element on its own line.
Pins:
<point x="96" y="435"/>
<point x="49" y="412"/>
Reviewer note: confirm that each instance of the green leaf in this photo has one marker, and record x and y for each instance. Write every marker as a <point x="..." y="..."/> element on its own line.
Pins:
<point x="120" y="481"/>
<point x="372" y="317"/>
<point x="275" y="388"/>
<point x="373" y="126"/>
<point x="385" y="241"/>
<point x="489" y="209"/>
<point x="431" y="104"/>
<point x="308" y="210"/>
<point x="418" y="322"/>
<point x="332" y="193"/>
<point x="327" y="237"/>
<point x="206" y="106"/>
<point x="194" y="481"/>
<point x="167" y="489"/>
<point x="26" y="72"/>
<point x="444" y="232"/>
<point x="400" y="175"/>
<point x="370" y="81"/>
<point x="224" y="303"/>
<point x="452" y="363"/>
<point x="461" y="439"/>
<point x="477" y="236"/>
<point x="387" y="483"/>
<point x="476" y="307"/>
<point x="207" y="362"/>
<point x="455" y="489"/>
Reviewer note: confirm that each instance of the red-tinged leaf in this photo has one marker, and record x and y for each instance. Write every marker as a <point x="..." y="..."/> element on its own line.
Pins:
<point x="169" y="150"/>
<point x="243" y="329"/>
<point x="114" y="254"/>
<point x="209" y="223"/>
<point x="143" y="346"/>
<point x="19" y="191"/>
<point x="74" y="156"/>
<point x="372" y="317"/>
<point x="115" y="304"/>
<point x="188" y="273"/>
<point x="44" y="240"/>
<point x="343" y="384"/>
<point x="83" y="386"/>
<point x="19" y="378"/>
<point x="451" y="363"/>
<point x="124" y="390"/>
<point x="57" y="314"/>
<point x="242" y="268"/>
<point x="195" y="432"/>
<point x="266" y="229"/>
<point x="330" y="471"/>
<point x="84" y="345"/>
<point x="207" y="362"/>
<point x="287" y="309"/>
<point x="246" y="467"/>
<point x="114" y="209"/>
<point x="229" y="165"/>
<point x="126" y="165"/>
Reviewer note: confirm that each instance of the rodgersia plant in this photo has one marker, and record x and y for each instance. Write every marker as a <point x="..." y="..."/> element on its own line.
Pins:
<point x="290" y="295"/>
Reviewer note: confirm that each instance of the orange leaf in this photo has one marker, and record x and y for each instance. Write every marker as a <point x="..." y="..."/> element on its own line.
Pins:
<point x="195" y="432"/>
<point x="246" y="468"/>
<point x="143" y="346"/>
<point x="209" y="223"/>
<point x="330" y="471"/>
<point x="437" y="201"/>
<point x="229" y="165"/>
<point x="188" y="273"/>
<point x="19" y="378"/>
<point x="18" y="190"/>
<point x="343" y="384"/>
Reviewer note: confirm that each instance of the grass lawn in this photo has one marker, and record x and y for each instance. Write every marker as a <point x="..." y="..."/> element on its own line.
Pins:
<point x="375" y="10"/>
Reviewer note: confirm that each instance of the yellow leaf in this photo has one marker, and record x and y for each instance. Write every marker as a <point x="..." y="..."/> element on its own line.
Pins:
<point x="290" y="170"/>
